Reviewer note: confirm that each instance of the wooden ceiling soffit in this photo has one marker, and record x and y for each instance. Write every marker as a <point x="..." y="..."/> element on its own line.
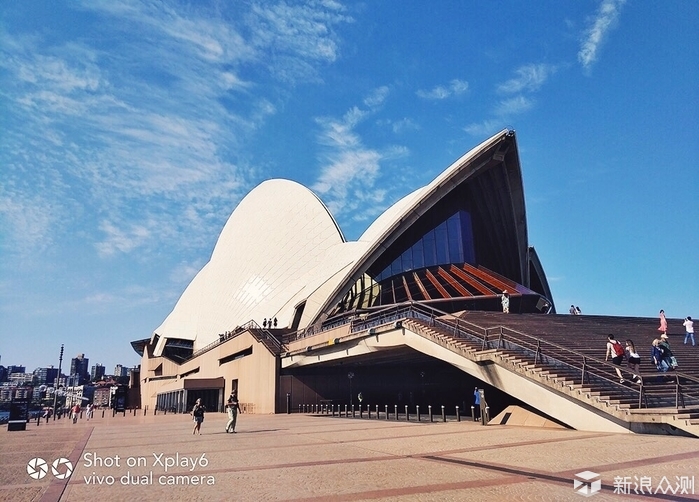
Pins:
<point x="420" y="285"/>
<point x="453" y="282"/>
<point x="492" y="281"/>
<point x="407" y="289"/>
<point x="461" y="274"/>
<point x="437" y="285"/>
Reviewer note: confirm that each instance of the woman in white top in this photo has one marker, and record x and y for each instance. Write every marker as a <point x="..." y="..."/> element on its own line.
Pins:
<point x="634" y="361"/>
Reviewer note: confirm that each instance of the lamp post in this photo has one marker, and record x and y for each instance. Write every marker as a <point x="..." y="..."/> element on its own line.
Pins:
<point x="350" y="375"/>
<point x="55" y="383"/>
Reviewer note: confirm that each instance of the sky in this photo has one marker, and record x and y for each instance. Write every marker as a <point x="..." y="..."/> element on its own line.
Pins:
<point x="130" y="130"/>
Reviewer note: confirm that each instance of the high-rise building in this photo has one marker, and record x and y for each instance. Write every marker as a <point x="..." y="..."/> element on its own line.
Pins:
<point x="97" y="372"/>
<point x="79" y="366"/>
<point x="120" y="371"/>
<point x="46" y="376"/>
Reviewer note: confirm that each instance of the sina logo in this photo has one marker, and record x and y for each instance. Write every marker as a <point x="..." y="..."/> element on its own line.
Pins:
<point x="587" y="483"/>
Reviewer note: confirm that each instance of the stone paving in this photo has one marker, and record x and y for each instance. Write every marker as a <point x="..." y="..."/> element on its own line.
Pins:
<point x="320" y="458"/>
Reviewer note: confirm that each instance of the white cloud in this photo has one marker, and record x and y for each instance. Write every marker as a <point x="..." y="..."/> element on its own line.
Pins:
<point x="140" y="141"/>
<point x="26" y="221"/>
<point x="349" y="178"/>
<point x="454" y="88"/>
<point x="377" y="97"/>
<point x="605" y="20"/>
<point x="293" y="36"/>
<point x="528" y="78"/>
<point x="120" y="239"/>
<point x="402" y="125"/>
<point x="513" y="106"/>
<point x="485" y="128"/>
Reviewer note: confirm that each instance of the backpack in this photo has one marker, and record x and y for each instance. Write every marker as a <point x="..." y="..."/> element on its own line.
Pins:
<point x="618" y="349"/>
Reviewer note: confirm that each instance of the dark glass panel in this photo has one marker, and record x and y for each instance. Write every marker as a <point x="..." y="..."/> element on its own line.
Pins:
<point x="395" y="267"/>
<point x="429" y="251"/>
<point x="441" y="244"/>
<point x="407" y="260"/>
<point x="467" y="238"/>
<point x="418" y="254"/>
<point x="456" y="253"/>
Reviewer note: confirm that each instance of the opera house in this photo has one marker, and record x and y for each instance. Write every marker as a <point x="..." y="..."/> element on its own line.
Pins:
<point x="456" y="244"/>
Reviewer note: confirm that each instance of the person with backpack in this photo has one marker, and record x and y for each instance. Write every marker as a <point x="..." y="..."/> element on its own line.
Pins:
<point x="668" y="356"/>
<point x="616" y="351"/>
<point x="198" y="416"/>
<point x="657" y="355"/>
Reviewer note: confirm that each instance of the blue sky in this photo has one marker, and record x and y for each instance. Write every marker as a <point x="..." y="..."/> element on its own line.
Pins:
<point x="130" y="130"/>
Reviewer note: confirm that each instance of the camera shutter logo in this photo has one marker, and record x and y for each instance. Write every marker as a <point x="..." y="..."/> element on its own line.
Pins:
<point x="59" y="462"/>
<point x="37" y="468"/>
<point x="587" y="483"/>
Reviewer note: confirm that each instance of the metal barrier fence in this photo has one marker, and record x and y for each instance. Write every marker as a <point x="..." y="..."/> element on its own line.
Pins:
<point x="387" y="412"/>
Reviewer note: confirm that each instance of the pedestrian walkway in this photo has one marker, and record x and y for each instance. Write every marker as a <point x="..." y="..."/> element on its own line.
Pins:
<point x="321" y="458"/>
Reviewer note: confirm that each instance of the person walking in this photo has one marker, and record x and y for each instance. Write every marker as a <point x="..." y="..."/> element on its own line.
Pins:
<point x="232" y="407"/>
<point x="689" y="329"/>
<point x="663" y="323"/>
<point x="634" y="361"/>
<point x="75" y="411"/>
<point x="198" y="416"/>
<point x="476" y="405"/>
<point x="616" y="352"/>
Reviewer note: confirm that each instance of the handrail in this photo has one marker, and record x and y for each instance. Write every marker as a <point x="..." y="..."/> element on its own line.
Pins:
<point x="535" y="351"/>
<point x="541" y="350"/>
<point x="251" y="326"/>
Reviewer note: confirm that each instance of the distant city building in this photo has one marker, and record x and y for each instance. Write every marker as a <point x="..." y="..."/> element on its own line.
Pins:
<point x="79" y="394"/>
<point x="45" y="376"/>
<point x="97" y="372"/>
<point x="72" y="380"/>
<point x="120" y="371"/>
<point x="102" y="395"/>
<point x="61" y="381"/>
<point x="22" y="378"/>
<point x="3" y="374"/>
<point x="80" y="366"/>
<point x="16" y="369"/>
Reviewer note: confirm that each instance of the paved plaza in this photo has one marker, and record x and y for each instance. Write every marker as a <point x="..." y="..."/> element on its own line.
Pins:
<point x="320" y="458"/>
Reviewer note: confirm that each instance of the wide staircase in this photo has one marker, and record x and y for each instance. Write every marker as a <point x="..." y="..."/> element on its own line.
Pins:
<point x="566" y="354"/>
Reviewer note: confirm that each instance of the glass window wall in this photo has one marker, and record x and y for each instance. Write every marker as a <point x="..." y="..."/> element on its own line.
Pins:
<point x="450" y="241"/>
